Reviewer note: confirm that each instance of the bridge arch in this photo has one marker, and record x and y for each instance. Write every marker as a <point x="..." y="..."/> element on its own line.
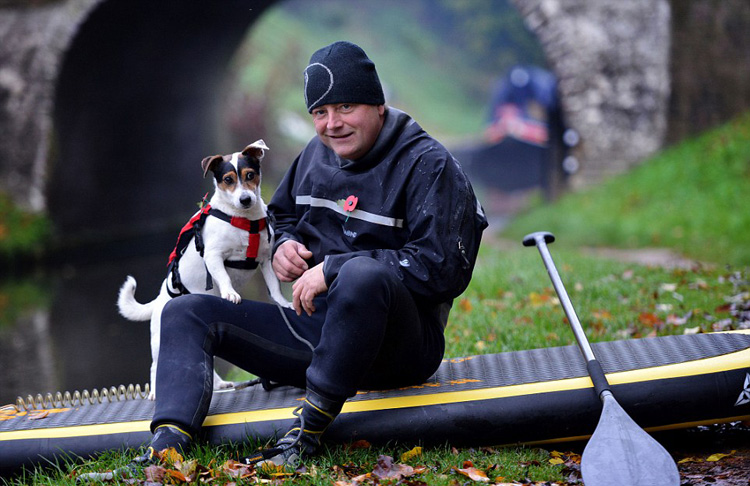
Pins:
<point x="165" y="61"/>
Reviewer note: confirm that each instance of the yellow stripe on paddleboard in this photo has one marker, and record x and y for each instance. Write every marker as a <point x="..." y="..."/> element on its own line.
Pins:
<point x="78" y="431"/>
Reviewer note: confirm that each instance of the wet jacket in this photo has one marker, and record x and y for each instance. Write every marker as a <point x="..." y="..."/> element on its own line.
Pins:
<point x="406" y="203"/>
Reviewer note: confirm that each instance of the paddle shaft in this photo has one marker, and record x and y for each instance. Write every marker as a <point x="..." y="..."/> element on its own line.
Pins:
<point x="540" y="240"/>
<point x="619" y="451"/>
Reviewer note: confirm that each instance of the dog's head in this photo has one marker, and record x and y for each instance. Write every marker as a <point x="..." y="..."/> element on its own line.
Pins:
<point x="237" y="176"/>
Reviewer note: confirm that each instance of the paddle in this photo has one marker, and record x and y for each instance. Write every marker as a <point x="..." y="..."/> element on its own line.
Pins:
<point x="619" y="452"/>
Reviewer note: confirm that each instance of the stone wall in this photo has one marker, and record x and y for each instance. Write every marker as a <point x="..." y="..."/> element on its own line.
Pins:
<point x="612" y="62"/>
<point x="34" y="39"/>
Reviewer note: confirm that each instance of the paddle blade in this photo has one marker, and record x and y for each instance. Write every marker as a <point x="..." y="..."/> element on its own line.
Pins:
<point x="621" y="453"/>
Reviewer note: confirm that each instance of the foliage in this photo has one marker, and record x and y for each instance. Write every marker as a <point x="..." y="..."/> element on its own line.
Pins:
<point x="692" y="198"/>
<point x="21" y="233"/>
<point x="17" y="298"/>
<point x="411" y="44"/>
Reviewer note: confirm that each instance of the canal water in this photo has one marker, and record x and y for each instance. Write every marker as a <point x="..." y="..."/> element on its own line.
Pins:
<point x="60" y="329"/>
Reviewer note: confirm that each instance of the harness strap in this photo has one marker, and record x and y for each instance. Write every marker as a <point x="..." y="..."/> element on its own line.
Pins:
<point x="193" y="229"/>
<point x="252" y="226"/>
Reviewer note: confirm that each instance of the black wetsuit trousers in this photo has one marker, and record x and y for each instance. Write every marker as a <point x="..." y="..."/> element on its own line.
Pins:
<point x="367" y="332"/>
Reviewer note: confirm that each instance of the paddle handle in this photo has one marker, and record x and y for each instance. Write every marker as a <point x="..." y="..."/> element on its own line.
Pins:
<point x="540" y="240"/>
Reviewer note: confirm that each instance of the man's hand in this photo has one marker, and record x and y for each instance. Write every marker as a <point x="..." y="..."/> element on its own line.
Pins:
<point x="306" y="288"/>
<point x="289" y="260"/>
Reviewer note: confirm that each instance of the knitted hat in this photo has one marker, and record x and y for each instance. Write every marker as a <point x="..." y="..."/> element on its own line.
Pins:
<point x="341" y="73"/>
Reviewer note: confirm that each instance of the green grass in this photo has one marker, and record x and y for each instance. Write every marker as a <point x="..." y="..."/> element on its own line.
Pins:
<point x="693" y="198"/>
<point x="511" y="304"/>
<point x="438" y="466"/>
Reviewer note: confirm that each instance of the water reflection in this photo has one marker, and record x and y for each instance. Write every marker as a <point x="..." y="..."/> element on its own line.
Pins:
<point x="75" y="339"/>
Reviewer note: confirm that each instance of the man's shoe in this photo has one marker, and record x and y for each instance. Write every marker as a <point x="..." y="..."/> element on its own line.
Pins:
<point x="303" y="439"/>
<point x="170" y="435"/>
<point x="165" y="436"/>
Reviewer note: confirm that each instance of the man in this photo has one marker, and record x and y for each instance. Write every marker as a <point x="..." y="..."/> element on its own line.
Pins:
<point x="378" y="228"/>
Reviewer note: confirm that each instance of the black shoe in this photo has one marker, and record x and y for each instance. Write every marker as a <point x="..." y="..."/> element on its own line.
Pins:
<point x="165" y="436"/>
<point x="170" y="435"/>
<point x="303" y="439"/>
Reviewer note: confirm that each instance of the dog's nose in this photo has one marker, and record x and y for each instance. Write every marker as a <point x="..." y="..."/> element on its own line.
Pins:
<point x="246" y="201"/>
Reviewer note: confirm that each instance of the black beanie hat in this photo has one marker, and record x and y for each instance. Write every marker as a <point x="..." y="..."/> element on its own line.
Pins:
<point x="341" y="73"/>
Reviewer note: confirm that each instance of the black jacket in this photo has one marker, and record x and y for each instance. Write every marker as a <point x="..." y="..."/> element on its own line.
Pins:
<point x="415" y="211"/>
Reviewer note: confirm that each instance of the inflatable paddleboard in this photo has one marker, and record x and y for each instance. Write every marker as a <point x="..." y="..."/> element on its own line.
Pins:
<point x="521" y="397"/>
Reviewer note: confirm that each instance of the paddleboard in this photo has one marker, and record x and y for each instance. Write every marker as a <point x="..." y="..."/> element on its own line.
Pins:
<point x="522" y="397"/>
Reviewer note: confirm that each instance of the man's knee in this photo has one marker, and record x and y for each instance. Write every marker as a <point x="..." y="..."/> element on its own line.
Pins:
<point x="364" y="276"/>
<point x="184" y="311"/>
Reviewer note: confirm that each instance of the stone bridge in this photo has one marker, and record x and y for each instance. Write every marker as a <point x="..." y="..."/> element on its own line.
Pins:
<point x="99" y="97"/>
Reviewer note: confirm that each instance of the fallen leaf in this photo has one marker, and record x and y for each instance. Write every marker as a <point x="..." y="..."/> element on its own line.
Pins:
<point x="677" y="320"/>
<point x="688" y="460"/>
<point x="415" y="452"/>
<point x="722" y="325"/>
<point x="235" y="469"/>
<point x="649" y="319"/>
<point x="385" y="469"/>
<point x="465" y="305"/>
<point x="154" y="473"/>
<point x="719" y="456"/>
<point x="359" y="444"/>
<point x="175" y="474"/>
<point x="473" y="473"/>
<point x="170" y="456"/>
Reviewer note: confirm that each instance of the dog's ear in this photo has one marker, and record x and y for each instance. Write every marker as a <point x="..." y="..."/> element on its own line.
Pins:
<point x="209" y="162"/>
<point x="256" y="149"/>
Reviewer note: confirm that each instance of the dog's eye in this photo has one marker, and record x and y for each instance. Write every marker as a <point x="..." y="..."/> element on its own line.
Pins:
<point x="228" y="180"/>
<point x="250" y="176"/>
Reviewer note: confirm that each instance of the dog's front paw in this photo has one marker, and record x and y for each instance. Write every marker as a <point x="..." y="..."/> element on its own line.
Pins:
<point x="231" y="296"/>
<point x="223" y="385"/>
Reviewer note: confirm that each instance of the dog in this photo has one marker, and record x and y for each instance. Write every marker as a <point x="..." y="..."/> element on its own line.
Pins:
<point x="217" y="249"/>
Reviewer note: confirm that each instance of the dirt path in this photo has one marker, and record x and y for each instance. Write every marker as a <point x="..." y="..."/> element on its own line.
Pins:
<point x="654" y="257"/>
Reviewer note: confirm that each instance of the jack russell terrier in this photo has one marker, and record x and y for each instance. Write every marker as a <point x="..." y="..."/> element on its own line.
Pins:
<point x="220" y="244"/>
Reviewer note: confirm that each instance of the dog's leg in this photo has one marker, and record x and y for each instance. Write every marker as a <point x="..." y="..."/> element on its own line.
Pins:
<point x="273" y="285"/>
<point x="159" y="304"/>
<point x="155" y="340"/>
<point x="220" y="384"/>
<point x="215" y="265"/>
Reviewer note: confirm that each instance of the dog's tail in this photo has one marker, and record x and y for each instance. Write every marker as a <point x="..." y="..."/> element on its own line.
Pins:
<point x="129" y="307"/>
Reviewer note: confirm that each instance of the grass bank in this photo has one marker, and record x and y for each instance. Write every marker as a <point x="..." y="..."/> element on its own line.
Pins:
<point x="692" y="198"/>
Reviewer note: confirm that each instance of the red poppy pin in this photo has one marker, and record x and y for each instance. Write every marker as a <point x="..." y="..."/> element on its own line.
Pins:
<point x="350" y="204"/>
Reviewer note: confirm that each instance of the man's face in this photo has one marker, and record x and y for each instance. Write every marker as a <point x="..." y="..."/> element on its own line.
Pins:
<point x="349" y="129"/>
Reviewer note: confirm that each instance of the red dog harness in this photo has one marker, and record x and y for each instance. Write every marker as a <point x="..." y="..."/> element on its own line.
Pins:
<point x="193" y="229"/>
